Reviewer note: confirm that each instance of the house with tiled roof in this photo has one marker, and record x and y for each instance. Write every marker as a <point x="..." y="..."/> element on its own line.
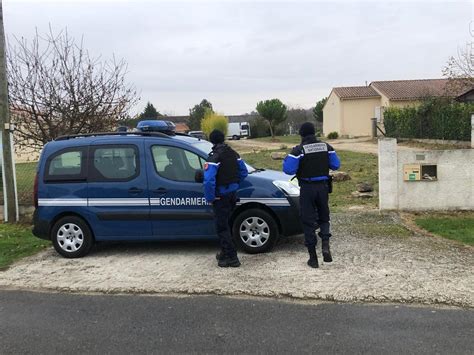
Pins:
<point x="349" y="110"/>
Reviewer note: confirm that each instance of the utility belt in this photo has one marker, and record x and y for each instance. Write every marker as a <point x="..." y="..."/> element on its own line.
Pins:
<point x="328" y="181"/>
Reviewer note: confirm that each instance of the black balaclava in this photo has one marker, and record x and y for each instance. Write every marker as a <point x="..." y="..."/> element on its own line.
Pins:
<point x="216" y="137"/>
<point x="307" y="129"/>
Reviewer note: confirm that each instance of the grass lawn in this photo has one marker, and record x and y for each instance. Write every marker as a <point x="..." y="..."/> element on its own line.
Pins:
<point x="361" y="167"/>
<point x="17" y="241"/>
<point x="458" y="226"/>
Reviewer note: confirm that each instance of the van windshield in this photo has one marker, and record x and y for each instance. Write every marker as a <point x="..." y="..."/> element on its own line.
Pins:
<point x="206" y="147"/>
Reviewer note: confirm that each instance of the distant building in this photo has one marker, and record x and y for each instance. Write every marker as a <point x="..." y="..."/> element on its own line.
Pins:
<point x="182" y="127"/>
<point x="468" y="96"/>
<point x="348" y="110"/>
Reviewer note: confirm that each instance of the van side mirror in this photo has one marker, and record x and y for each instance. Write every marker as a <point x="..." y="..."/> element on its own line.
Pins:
<point x="199" y="176"/>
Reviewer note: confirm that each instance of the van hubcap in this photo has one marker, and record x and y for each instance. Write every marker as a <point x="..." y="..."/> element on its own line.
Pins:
<point x="70" y="237"/>
<point x="254" y="232"/>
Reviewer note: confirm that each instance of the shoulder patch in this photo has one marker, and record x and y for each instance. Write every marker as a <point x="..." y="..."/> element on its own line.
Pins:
<point x="315" y="148"/>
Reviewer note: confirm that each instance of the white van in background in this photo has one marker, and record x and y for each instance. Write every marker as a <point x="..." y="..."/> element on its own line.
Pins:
<point x="238" y="130"/>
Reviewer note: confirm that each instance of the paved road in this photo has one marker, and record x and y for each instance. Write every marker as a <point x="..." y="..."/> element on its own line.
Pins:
<point x="43" y="323"/>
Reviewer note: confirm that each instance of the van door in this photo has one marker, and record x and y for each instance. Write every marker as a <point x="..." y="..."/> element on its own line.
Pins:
<point x="177" y="204"/>
<point x="118" y="191"/>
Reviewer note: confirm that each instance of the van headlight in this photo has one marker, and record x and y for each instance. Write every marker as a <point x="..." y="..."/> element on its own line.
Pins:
<point x="287" y="187"/>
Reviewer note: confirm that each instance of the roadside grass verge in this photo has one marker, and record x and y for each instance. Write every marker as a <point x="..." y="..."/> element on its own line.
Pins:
<point x="455" y="226"/>
<point x="362" y="167"/>
<point x="16" y="242"/>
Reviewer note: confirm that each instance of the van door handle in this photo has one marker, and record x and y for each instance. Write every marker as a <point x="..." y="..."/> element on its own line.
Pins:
<point x="135" y="190"/>
<point x="160" y="191"/>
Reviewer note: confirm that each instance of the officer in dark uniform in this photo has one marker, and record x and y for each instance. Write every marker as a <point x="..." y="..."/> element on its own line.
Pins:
<point x="311" y="161"/>
<point x="223" y="172"/>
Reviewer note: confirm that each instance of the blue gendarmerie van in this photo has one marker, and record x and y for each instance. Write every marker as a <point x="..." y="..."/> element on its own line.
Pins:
<point x="146" y="185"/>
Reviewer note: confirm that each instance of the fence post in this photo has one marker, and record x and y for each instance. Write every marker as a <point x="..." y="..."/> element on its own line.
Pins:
<point x="388" y="174"/>
<point x="472" y="130"/>
<point x="374" y="127"/>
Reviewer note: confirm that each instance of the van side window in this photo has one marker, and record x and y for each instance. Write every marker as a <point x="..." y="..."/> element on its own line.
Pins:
<point x="66" y="165"/>
<point x="114" y="163"/>
<point x="175" y="163"/>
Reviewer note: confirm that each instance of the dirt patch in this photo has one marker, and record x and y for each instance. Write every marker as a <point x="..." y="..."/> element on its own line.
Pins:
<point x="359" y="145"/>
<point x="376" y="259"/>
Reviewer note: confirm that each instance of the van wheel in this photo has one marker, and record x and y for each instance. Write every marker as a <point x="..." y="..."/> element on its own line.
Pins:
<point x="255" y="231"/>
<point x="235" y="137"/>
<point x="72" y="237"/>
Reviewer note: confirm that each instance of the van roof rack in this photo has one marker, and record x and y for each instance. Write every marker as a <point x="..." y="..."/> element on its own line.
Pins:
<point x="101" y="134"/>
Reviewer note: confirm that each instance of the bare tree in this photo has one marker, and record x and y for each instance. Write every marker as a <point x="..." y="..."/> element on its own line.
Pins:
<point x="460" y="71"/>
<point x="57" y="88"/>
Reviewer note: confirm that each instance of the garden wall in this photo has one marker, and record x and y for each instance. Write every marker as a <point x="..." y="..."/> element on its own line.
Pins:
<point x="452" y="188"/>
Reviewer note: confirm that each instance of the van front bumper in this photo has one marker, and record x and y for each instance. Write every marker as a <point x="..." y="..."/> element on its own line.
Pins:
<point x="40" y="227"/>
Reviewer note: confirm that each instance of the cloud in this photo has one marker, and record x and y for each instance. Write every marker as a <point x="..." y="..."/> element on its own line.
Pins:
<point x="237" y="53"/>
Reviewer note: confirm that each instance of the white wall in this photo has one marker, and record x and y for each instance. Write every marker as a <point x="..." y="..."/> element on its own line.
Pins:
<point x="357" y="116"/>
<point x="332" y="114"/>
<point x="454" y="188"/>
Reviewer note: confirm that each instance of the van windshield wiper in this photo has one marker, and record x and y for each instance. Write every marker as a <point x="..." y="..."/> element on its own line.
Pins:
<point x="257" y="170"/>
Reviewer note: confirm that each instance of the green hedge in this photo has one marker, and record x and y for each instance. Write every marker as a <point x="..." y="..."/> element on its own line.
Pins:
<point x="433" y="119"/>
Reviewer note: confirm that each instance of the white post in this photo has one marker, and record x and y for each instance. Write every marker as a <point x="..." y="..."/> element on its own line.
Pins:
<point x="2" y="167"/>
<point x="388" y="174"/>
<point x="472" y="130"/>
<point x="12" y="149"/>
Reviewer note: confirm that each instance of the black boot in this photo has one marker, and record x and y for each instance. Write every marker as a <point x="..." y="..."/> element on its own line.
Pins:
<point x="220" y="255"/>
<point x="326" y="251"/>
<point x="229" y="261"/>
<point x="313" y="258"/>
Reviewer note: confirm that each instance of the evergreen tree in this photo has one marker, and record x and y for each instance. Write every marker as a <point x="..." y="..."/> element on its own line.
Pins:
<point x="274" y="112"/>
<point x="149" y="113"/>
<point x="196" y="114"/>
<point x="318" y="109"/>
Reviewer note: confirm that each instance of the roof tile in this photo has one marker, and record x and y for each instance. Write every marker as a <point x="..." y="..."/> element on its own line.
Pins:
<point x="355" y="92"/>
<point x="416" y="89"/>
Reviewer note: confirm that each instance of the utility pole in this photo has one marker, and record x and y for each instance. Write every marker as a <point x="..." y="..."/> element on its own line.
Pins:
<point x="6" y="128"/>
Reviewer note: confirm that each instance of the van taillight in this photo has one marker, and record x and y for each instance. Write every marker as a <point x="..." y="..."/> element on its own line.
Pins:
<point x="35" y="191"/>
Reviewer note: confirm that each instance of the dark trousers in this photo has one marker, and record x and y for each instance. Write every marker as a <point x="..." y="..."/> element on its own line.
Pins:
<point x="314" y="211"/>
<point x="222" y="210"/>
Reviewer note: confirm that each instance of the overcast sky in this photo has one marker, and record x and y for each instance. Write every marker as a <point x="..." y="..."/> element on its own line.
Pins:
<point x="237" y="53"/>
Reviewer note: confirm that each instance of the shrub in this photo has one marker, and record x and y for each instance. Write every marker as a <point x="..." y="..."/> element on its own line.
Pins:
<point x="438" y="118"/>
<point x="333" y="135"/>
<point x="212" y="121"/>
<point x="259" y="128"/>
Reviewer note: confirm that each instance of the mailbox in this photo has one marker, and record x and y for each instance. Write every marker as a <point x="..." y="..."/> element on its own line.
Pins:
<point x="420" y="172"/>
<point x="411" y="172"/>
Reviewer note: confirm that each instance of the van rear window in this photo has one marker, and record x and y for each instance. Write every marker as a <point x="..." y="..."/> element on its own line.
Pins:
<point x="66" y="165"/>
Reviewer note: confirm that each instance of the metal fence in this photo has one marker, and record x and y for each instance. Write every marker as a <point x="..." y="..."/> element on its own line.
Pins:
<point x="25" y="178"/>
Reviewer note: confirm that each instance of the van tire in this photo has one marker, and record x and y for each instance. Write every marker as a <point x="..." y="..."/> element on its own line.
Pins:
<point x="235" y="137"/>
<point x="250" y="228"/>
<point x="72" y="237"/>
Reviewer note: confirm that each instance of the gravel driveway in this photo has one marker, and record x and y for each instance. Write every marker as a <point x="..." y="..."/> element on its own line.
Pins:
<point x="375" y="260"/>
